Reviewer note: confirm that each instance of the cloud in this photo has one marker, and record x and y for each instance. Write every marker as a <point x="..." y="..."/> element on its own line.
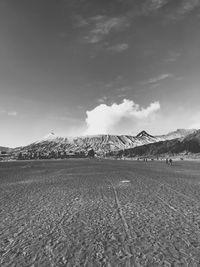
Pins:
<point x="119" y="118"/>
<point x="8" y="113"/>
<point x="95" y="29"/>
<point x="12" y="113"/>
<point x="103" y="99"/>
<point x="182" y="8"/>
<point x="113" y="49"/>
<point x="175" y="9"/>
<point x="124" y="88"/>
<point x="188" y="6"/>
<point x="101" y="26"/>
<point x="172" y="57"/>
<point x="154" y="5"/>
<point x="118" y="48"/>
<point x="79" y="21"/>
<point x="157" y="78"/>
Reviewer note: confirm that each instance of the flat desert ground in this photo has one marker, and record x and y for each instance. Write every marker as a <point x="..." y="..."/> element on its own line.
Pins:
<point x="99" y="213"/>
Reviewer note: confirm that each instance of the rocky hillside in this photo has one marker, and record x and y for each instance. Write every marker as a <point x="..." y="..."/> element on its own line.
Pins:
<point x="190" y="144"/>
<point x="4" y="149"/>
<point x="179" y="133"/>
<point x="100" y="143"/>
<point x="57" y="146"/>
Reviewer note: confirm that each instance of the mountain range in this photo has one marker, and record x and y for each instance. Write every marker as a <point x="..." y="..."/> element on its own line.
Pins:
<point x="188" y="145"/>
<point x="102" y="144"/>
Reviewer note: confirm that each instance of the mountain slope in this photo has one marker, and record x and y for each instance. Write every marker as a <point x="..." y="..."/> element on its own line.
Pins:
<point x="5" y="149"/>
<point x="52" y="144"/>
<point x="179" y="133"/>
<point x="188" y="144"/>
<point x="97" y="142"/>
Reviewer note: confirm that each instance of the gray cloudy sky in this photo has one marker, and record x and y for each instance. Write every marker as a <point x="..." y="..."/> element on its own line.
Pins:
<point x="98" y="66"/>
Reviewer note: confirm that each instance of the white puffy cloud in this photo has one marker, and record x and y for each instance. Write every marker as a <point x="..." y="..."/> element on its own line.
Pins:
<point x="119" y="118"/>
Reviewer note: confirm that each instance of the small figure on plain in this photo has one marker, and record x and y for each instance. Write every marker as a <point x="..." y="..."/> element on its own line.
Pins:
<point x="170" y="161"/>
<point x="167" y="161"/>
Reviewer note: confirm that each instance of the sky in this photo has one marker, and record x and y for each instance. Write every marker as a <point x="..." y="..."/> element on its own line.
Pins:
<point x="85" y="67"/>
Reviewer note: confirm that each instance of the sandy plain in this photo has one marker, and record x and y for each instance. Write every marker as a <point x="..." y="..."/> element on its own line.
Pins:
<point x="99" y="213"/>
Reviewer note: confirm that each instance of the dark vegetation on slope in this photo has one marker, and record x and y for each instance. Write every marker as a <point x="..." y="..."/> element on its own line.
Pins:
<point x="4" y="149"/>
<point x="190" y="144"/>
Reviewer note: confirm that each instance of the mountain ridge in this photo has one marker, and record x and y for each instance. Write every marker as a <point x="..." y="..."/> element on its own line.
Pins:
<point x="190" y="144"/>
<point x="53" y="144"/>
<point x="171" y="135"/>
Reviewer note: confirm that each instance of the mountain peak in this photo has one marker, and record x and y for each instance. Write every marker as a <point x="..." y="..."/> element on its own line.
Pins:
<point x="50" y="135"/>
<point x="143" y="133"/>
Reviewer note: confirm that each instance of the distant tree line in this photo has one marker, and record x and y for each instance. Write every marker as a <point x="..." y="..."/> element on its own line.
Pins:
<point x="27" y="155"/>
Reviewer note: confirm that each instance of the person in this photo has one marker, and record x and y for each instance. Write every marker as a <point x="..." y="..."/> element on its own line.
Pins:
<point x="167" y="162"/>
<point x="170" y="161"/>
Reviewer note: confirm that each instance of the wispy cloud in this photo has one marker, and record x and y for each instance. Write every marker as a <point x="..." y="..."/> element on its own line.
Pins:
<point x="153" y="5"/>
<point x="101" y="26"/>
<point x="112" y="98"/>
<point x="124" y="88"/>
<point x="188" y="5"/>
<point x="159" y="78"/>
<point x="156" y="79"/>
<point x="8" y="113"/>
<point x="154" y="85"/>
<point x="182" y="8"/>
<point x="175" y="9"/>
<point x="79" y="21"/>
<point x="172" y="57"/>
<point x="96" y="29"/>
<point x="12" y="113"/>
<point x="118" y="48"/>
